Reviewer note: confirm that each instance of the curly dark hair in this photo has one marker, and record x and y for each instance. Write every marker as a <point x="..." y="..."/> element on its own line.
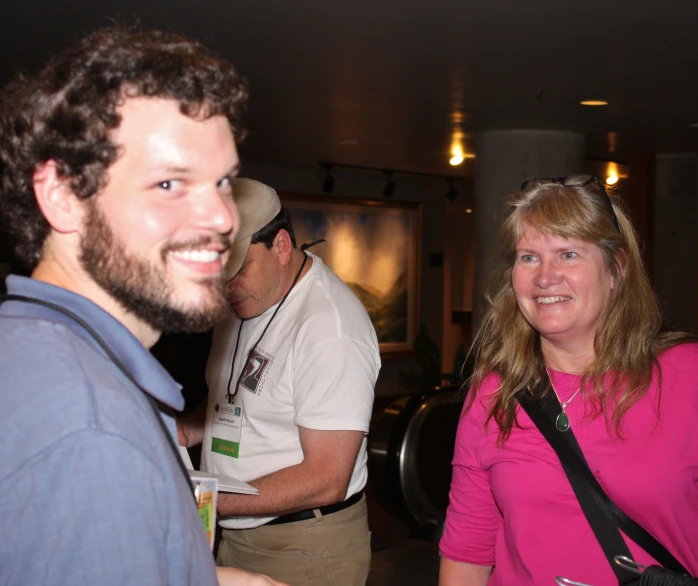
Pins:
<point x="67" y="112"/>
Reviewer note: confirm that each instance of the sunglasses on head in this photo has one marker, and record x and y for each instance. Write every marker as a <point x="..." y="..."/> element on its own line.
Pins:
<point x="577" y="181"/>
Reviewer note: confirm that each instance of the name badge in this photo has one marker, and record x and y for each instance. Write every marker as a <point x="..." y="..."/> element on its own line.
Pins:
<point x="227" y="429"/>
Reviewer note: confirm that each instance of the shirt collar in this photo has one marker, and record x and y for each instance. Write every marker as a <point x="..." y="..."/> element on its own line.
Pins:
<point x="146" y="370"/>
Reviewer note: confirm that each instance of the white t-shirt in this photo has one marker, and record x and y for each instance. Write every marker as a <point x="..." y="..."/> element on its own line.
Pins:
<point x="316" y="366"/>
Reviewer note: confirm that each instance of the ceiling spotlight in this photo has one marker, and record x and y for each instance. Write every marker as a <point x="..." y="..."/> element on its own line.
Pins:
<point x="468" y="210"/>
<point x="452" y="192"/>
<point x="594" y="103"/>
<point x="328" y="182"/>
<point x="390" y="186"/>
<point x="456" y="154"/>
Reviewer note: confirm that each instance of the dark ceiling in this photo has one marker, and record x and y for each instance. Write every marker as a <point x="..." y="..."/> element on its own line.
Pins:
<point x="397" y="79"/>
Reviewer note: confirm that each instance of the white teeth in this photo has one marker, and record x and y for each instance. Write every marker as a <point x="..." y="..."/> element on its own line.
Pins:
<point x="197" y="255"/>
<point x="555" y="299"/>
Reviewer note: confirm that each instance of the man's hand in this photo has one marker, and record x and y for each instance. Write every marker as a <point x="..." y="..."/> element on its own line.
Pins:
<point x="190" y="427"/>
<point x="182" y="438"/>
<point x="235" y="577"/>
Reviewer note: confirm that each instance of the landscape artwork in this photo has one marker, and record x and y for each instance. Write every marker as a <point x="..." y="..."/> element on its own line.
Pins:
<point x="373" y="247"/>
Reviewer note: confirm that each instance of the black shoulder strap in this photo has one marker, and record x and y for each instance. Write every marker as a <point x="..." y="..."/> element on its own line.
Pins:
<point x="602" y="513"/>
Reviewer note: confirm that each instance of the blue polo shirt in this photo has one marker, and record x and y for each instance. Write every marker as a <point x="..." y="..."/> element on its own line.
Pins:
<point x="90" y="491"/>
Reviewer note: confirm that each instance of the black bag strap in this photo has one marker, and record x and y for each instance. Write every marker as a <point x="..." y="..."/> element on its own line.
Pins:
<point x="605" y="518"/>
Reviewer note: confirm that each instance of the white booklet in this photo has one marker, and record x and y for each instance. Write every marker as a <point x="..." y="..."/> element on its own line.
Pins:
<point x="225" y="483"/>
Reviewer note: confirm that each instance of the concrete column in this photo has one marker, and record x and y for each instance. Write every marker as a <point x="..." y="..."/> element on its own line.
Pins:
<point x="505" y="159"/>
<point x="676" y="240"/>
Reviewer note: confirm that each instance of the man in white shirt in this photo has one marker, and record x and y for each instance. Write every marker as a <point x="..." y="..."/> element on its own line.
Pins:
<point x="291" y="376"/>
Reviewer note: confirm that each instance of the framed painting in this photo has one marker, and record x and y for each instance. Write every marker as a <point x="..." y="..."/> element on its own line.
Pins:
<point x="374" y="247"/>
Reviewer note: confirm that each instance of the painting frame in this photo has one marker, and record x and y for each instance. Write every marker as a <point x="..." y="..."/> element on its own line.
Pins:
<point x="372" y="212"/>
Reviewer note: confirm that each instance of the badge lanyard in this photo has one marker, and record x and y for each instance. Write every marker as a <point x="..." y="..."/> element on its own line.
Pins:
<point x="115" y="359"/>
<point x="230" y="397"/>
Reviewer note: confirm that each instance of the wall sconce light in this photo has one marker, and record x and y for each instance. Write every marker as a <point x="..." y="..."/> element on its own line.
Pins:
<point x="452" y="193"/>
<point x="328" y="181"/>
<point x="612" y="173"/>
<point x="457" y="156"/>
<point x="390" y="186"/>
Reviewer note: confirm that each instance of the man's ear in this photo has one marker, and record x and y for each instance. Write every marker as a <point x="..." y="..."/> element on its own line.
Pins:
<point x="57" y="202"/>
<point x="283" y="247"/>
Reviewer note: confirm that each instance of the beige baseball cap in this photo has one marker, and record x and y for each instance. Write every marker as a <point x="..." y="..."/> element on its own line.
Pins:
<point x="258" y="205"/>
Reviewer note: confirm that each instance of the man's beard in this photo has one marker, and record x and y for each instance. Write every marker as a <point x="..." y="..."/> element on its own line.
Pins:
<point x="141" y="287"/>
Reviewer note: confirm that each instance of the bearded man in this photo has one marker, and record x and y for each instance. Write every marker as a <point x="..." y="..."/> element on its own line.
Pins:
<point x="117" y="161"/>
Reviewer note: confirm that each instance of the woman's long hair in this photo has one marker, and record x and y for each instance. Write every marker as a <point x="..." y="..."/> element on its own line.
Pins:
<point x="628" y="339"/>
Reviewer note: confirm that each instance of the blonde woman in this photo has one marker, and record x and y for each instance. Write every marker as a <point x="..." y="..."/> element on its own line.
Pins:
<point x="571" y="315"/>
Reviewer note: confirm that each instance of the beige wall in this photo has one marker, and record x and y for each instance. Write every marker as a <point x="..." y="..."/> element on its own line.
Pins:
<point x="459" y="269"/>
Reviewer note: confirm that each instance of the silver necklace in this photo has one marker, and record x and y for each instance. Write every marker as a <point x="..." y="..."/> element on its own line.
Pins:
<point x="562" y="421"/>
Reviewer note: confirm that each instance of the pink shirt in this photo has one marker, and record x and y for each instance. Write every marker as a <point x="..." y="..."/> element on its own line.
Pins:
<point x="514" y="507"/>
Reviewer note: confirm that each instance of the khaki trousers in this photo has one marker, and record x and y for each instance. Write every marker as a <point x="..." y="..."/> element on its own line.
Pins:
<point x="332" y="550"/>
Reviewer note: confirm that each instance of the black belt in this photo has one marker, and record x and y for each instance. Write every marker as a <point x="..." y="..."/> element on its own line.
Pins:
<point x="308" y="513"/>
